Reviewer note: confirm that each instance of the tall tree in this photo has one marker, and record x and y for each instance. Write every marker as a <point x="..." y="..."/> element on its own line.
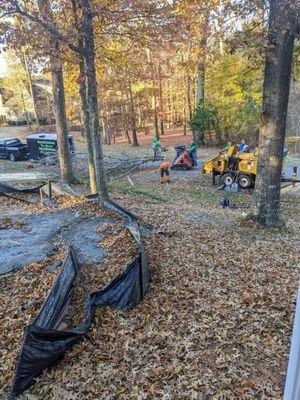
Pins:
<point x="89" y="56"/>
<point x="161" y="101"/>
<point x="59" y="102"/>
<point x="28" y="72"/>
<point x="30" y="12"/>
<point x="132" y="116"/>
<point x="281" y="35"/>
<point x="83" y="99"/>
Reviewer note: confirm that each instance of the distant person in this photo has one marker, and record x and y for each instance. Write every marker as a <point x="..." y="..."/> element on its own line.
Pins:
<point x="155" y="147"/>
<point x="163" y="170"/>
<point x="241" y="145"/>
<point x="227" y="147"/>
<point x="192" y="149"/>
<point x="246" y="149"/>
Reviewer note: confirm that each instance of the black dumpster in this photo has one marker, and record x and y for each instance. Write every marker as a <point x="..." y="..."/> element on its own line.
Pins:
<point x="44" y="144"/>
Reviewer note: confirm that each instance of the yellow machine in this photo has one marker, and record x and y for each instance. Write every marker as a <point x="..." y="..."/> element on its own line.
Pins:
<point x="233" y="166"/>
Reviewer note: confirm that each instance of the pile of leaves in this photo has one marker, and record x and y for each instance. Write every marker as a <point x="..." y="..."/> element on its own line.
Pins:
<point x="21" y="296"/>
<point x="8" y="223"/>
<point x="16" y="206"/>
<point x="25" y="291"/>
<point x="120" y="251"/>
<point x="217" y="320"/>
<point x="215" y="324"/>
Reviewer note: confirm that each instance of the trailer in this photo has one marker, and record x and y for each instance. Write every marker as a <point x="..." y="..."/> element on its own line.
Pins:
<point x="44" y="144"/>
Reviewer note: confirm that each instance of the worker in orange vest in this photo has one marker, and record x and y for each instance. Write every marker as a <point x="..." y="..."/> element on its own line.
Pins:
<point x="164" y="170"/>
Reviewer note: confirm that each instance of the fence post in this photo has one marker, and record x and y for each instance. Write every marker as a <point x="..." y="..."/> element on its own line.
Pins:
<point x="50" y="190"/>
<point x="41" y="196"/>
<point x="294" y="176"/>
<point x="292" y="383"/>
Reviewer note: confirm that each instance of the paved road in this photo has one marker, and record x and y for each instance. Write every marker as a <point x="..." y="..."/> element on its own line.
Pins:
<point x="26" y="176"/>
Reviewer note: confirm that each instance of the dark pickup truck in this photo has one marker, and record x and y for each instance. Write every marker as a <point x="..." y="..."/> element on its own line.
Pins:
<point x="13" y="149"/>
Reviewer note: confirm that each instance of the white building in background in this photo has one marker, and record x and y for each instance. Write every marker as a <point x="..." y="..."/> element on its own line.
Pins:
<point x="14" y="106"/>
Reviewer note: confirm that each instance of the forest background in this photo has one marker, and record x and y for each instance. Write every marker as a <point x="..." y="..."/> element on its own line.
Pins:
<point x="159" y="65"/>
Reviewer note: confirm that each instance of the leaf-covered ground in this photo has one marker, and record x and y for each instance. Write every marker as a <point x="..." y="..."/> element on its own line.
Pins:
<point x="217" y="320"/>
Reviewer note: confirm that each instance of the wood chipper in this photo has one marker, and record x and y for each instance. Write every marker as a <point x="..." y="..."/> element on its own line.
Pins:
<point x="234" y="167"/>
<point x="183" y="159"/>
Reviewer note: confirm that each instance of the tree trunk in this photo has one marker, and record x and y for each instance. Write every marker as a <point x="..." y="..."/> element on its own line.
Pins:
<point x="89" y="57"/>
<point x="155" y="121"/>
<point x="200" y="82"/>
<point x="59" y="104"/>
<point x="188" y="95"/>
<point x="184" y="117"/>
<point x="169" y="105"/>
<point x="84" y="103"/>
<point x="199" y="135"/>
<point x="140" y="120"/>
<point x="86" y="127"/>
<point x="132" y="117"/>
<point x="124" y="122"/>
<point x="154" y="95"/>
<point x="282" y="26"/>
<point x="60" y="116"/>
<point x="161" y="105"/>
<point x="25" y="111"/>
<point x="127" y="136"/>
<point x="31" y="89"/>
<point x="201" y="65"/>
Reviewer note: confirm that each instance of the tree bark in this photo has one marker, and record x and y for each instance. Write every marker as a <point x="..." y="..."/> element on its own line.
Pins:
<point x="127" y="136"/>
<point x="188" y="94"/>
<point x="60" y="116"/>
<point x="59" y="104"/>
<point x="31" y="89"/>
<point x="201" y="65"/>
<point x="132" y="117"/>
<point x="184" y="117"/>
<point x="161" y="105"/>
<point x="200" y="82"/>
<point x="282" y="27"/>
<point x="25" y="111"/>
<point x="125" y="125"/>
<point x="169" y="105"/>
<point x="154" y="95"/>
<point x="89" y="57"/>
<point x="155" y="121"/>
<point x="84" y="102"/>
<point x="86" y="125"/>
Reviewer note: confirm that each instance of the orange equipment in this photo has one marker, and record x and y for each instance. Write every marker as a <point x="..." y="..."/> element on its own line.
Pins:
<point x="164" y="170"/>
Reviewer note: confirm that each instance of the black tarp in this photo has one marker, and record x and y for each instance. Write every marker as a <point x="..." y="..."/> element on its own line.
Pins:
<point x="9" y="189"/>
<point x="43" y="345"/>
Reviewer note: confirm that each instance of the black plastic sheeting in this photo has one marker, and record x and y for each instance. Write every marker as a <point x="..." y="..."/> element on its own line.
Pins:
<point x="9" y="189"/>
<point x="43" y="345"/>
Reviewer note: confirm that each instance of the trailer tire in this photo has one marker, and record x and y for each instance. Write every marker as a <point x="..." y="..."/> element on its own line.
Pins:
<point x="228" y="179"/>
<point x="245" y="182"/>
